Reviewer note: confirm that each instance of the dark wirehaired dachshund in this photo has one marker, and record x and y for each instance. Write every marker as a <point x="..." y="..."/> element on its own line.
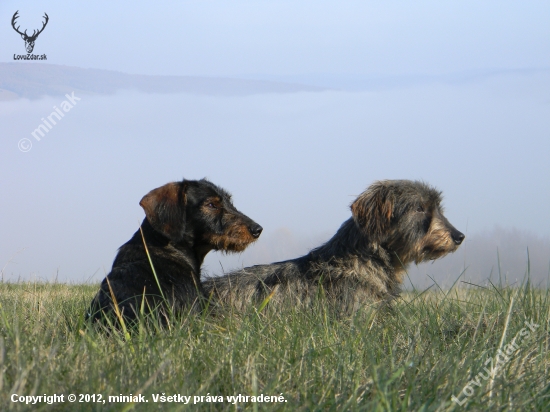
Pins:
<point x="184" y="221"/>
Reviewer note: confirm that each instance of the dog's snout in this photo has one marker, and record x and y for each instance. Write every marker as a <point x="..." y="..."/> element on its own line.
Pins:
<point x="457" y="236"/>
<point x="255" y="230"/>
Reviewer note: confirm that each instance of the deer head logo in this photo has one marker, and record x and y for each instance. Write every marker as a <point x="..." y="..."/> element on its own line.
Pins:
<point x="29" y="40"/>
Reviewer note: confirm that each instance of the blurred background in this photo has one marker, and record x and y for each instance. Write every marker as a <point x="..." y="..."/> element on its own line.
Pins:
<point x="295" y="108"/>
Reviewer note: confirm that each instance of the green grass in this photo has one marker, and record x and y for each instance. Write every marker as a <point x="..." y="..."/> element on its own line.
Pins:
<point x="416" y="358"/>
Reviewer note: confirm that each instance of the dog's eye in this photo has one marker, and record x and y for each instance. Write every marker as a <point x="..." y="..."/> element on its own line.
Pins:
<point x="212" y="206"/>
<point x="420" y="209"/>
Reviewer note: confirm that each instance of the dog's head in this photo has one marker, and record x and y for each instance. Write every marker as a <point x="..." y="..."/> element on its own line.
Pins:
<point x="406" y="218"/>
<point x="199" y="212"/>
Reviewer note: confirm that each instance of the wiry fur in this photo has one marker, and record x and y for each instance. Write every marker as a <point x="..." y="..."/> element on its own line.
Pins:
<point x="393" y="223"/>
<point x="184" y="221"/>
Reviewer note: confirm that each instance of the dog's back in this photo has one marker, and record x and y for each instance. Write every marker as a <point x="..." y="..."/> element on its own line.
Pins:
<point x="344" y="282"/>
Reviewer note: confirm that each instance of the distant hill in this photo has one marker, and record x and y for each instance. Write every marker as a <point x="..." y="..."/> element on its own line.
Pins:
<point x="33" y="80"/>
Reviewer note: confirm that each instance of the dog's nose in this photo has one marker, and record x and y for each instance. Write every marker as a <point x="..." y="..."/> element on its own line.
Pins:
<point x="255" y="230"/>
<point x="457" y="236"/>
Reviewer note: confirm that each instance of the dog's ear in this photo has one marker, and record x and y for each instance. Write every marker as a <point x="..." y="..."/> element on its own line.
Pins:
<point x="373" y="209"/>
<point x="165" y="209"/>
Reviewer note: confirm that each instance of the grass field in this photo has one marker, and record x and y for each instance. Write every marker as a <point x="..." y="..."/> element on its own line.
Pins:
<point x="416" y="358"/>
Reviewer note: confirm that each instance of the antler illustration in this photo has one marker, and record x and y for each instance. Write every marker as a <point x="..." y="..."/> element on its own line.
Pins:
<point x="13" y="19"/>
<point x="29" y="40"/>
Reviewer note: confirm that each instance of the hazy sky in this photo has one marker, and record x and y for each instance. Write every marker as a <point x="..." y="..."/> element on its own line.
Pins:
<point x="293" y="161"/>
<point x="286" y="37"/>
